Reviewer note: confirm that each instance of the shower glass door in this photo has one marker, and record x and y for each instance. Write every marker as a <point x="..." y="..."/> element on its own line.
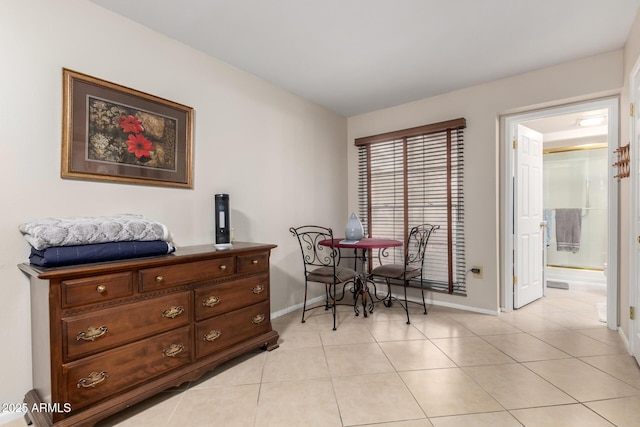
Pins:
<point x="576" y="178"/>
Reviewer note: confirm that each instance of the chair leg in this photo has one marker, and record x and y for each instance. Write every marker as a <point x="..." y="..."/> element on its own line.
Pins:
<point x="406" y="303"/>
<point x="334" y="307"/>
<point x="388" y="303"/>
<point x="327" y="293"/>
<point x="424" y="304"/>
<point x="304" y="304"/>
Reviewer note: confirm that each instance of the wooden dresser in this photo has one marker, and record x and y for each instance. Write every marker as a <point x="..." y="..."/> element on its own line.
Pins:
<point x="108" y="335"/>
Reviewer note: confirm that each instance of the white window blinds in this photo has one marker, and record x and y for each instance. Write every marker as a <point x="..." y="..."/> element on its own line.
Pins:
<point x="415" y="176"/>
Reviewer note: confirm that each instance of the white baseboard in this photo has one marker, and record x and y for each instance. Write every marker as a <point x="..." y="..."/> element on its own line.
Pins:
<point x="410" y="298"/>
<point x="625" y="341"/>
<point x="7" y="417"/>
<point x="295" y="307"/>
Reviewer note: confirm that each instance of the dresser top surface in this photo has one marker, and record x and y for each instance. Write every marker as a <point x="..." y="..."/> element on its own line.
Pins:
<point x="181" y="255"/>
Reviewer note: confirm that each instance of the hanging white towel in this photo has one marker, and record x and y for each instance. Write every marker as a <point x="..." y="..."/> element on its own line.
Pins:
<point x="568" y="229"/>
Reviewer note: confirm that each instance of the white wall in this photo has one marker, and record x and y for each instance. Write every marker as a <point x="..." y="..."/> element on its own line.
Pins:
<point x="482" y="106"/>
<point x="281" y="158"/>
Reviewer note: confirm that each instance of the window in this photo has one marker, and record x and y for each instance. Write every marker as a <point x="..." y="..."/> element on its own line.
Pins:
<point x="411" y="177"/>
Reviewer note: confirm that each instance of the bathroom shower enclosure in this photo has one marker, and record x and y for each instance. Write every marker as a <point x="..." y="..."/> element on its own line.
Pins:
<point x="575" y="177"/>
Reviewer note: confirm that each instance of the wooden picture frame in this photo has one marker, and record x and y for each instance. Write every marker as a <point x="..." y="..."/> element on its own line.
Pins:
<point x="117" y="134"/>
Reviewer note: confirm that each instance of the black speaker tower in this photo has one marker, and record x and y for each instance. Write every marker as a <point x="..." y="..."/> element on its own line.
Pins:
<point x="223" y="227"/>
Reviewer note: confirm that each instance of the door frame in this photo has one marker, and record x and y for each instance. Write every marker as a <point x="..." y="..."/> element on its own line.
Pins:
<point x="634" y="285"/>
<point x="507" y="124"/>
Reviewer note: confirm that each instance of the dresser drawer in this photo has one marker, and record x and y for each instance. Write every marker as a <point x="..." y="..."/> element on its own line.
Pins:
<point x="253" y="263"/>
<point x="90" y="290"/>
<point x="224" y="297"/>
<point x="227" y="329"/>
<point x="152" y="279"/>
<point x="92" y="332"/>
<point x="95" y="378"/>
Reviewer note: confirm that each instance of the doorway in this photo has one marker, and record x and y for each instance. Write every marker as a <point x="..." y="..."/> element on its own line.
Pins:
<point x="574" y="155"/>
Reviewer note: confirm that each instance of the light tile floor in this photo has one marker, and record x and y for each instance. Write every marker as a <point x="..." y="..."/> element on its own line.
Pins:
<point x="551" y="363"/>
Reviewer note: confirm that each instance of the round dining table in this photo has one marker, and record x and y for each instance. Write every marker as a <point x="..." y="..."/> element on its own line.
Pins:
<point x="361" y="249"/>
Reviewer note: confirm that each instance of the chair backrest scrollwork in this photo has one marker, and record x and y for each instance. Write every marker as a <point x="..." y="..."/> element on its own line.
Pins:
<point x="313" y="253"/>
<point x="416" y="246"/>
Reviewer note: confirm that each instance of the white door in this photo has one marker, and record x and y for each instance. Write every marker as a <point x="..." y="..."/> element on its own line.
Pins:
<point x="528" y="228"/>
<point x="634" y="299"/>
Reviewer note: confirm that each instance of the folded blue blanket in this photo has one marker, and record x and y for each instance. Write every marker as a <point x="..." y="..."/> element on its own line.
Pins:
<point x="66" y="255"/>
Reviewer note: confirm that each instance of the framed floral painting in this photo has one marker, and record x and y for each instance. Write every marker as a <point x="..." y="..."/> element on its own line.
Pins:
<point x="114" y="133"/>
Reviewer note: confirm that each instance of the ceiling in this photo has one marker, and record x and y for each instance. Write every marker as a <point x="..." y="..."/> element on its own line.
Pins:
<point x="357" y="56"/>
<point x="565" y="128"/>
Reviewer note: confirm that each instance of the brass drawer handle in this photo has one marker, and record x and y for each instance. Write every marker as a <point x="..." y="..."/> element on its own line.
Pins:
<point x="255" y="261"/>
<point x="258" y="289"/>
<point x="211" y="301"/>
<point x="101" y="289"/>
<point x="212" y="335"/>
<point x="92" y="333"/>
<point x="223" y="267"/>
<point x="258" y="319"/>
<point x="173" y="350"/>
<point x="159" y="279"/>
<point x="173" y="312"/>
<point x="93" y="380"/>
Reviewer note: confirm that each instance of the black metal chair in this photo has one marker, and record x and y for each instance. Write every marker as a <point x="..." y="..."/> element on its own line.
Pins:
<point x="321" y="265"/>
<point x="411" y="269"/>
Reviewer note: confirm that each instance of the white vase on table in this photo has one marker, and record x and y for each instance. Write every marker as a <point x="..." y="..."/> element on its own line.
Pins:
<point x="354" y="229"/>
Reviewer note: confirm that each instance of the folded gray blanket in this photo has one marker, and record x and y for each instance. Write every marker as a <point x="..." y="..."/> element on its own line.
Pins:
<point x="50" y="232"/>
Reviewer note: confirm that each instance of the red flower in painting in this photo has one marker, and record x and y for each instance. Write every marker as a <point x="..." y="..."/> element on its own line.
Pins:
<point x="131" y="124"/>
<point x="139" y="145"/>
